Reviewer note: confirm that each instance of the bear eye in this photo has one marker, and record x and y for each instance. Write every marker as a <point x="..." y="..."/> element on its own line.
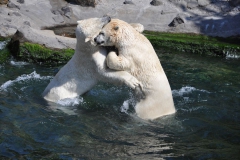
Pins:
<point x="101" y="33"/>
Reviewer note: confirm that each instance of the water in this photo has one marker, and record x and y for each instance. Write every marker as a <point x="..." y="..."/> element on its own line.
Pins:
<point x="102" y="125"/>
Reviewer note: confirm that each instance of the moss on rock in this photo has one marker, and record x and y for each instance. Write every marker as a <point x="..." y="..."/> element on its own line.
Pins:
<point x="4" y="52"/>
<point x="192" y="43"/>
<point x="4" y="55"/>
<point x="36" y="53"/>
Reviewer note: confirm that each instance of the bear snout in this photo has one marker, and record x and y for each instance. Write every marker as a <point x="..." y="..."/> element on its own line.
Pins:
<point x="98" y="40"/>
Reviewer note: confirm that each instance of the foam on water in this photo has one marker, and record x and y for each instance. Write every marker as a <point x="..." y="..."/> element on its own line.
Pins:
<point x="186" y="90"/>
<point x="70" y="101"/>
<point x="18" y="63"/>
<point x="22" y="78"/>
<point x="2" y="44"/>
<point x="232" y="56"/>
<point x="124" y="108"/>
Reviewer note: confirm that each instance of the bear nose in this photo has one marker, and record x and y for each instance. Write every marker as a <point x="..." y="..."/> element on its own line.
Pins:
<point x="95" y="39"/>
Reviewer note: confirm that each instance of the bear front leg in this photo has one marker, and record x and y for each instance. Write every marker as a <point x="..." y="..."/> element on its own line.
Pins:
<point x="117" y="62"/>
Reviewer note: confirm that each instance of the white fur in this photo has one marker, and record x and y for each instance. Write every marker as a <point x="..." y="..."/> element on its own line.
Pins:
<point x="86" y="67"/>
<point x="137" y="56"/>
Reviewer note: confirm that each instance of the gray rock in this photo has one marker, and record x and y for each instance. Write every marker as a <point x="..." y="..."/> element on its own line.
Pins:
<point x="209" y="20"/>
<point x="20" y="1"/>
<point x="12" y="5"/>
<point x="44" y="37"/>
<point x="128" y="2"/>
<point x="156" y="2"/>
<point x="204" y="2"/>
<point x="67" y="11"/>
<point x="27" y="23"/>
<point x="192" y="4"/>
<point x="84" y="3"/>
<point x="8" y="19"/>
<point x="58" y="19"/>
<point x="56" y="12"/>
<point x="176" y="21"/>
<point x="7" y="30"/>
<point x="14" y="13"/>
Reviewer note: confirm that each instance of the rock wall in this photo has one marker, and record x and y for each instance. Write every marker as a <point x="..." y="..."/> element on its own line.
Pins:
<point x="31" y="17"/>
<point x="84" y="3"/>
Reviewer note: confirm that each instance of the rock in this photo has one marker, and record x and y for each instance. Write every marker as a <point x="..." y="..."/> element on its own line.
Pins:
<point x="58" y="19"/>
<point x="84" y="3"/>
<point x="156" y="2"/>
<point x="20" y="1"/>
<point x="176" y="21"/>
<point x="56" y="12"/>
<point x="27" y="23"/>
<point x="67" y="11"/>
<point x="12" y="5"/>
<point x="128" y="2"/>
<point x="8" y="19"/>
<point x="64" y="11"/>
<point x="192" y="4"/>
<point x="234" y="3"/>
<point x="7" y="30"/>
<point x="46" y="38"/>
<point x="204" y="2"/>
<point x="14" y="13"/>
<point x="3" y="1"/>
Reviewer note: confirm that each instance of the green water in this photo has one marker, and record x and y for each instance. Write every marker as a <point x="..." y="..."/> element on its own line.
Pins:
<point x="99" y="125"/>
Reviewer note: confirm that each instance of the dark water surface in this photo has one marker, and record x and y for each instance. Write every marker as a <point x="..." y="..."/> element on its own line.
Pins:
<point x="101" y="124"/>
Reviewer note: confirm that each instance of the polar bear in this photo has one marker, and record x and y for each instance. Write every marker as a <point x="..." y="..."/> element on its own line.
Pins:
<point x="87" y="66"/>
<point x="137" y="56"/>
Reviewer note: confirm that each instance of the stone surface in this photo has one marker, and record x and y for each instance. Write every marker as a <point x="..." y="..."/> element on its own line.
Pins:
<point x="84" y="3"/>
<point x="128" y="2"/>
<point x="58" y="19"/>
<point x="204" y="2"/>
<point x="67" y="11"/>
<point x="156" y="2"/>
<point x="217" y="18"/>
<point x="27" y="23"/>
<point x="176" y="21"/>
<point x="192" y="4"/>
<point x="14" y="14"/>
<point x="20" y="1"/>
<point x="12" y="5"/>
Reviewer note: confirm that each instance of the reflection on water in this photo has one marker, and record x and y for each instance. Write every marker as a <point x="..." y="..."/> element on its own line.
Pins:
<point x="102" y="125"/>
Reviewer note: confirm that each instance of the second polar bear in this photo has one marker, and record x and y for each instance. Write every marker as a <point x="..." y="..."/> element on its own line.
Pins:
<point x="137" y="56"/>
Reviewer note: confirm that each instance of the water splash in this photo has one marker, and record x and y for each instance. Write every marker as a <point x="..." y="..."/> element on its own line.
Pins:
<point x="124" y="108"/>
<point x="70" y="101"/>
<point x="22" y="78"/>
<point x="3" y="44"/>
<point x="232" y="56"/>
<point x="186" y="90"/>
<point x="18" y="63"/>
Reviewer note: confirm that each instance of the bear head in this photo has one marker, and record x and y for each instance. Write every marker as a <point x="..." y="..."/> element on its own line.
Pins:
<point x="117" y="32"/>
<point x="87" y="29"/>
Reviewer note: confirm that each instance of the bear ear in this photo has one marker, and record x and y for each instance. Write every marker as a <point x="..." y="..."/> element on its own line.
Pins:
<point x="116" y="28"/>
<point x="87" y="39"/>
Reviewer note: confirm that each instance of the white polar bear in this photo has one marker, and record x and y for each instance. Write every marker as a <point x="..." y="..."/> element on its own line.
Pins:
<point x="87" y="66"/>
<point x="137" y="56"/>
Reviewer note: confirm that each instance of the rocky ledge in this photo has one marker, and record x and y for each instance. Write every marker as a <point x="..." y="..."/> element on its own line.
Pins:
<point x="33" y="20"/>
